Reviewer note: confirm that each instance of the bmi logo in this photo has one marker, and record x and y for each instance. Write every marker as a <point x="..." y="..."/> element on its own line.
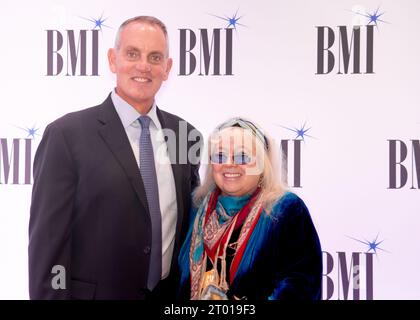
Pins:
<point x="343" y="275"/>
<point x="291" y="151"/>
<point x="74" y="52"/>
<point x="208" y="51"/>
<point x="404" y="163"/>
<point x="350" y="275"/>
<point x="349" y="49"/>
<point x="16" y="158"/>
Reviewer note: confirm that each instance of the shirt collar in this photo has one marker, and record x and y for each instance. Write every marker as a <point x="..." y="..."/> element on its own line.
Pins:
<point x="129" y="115"/>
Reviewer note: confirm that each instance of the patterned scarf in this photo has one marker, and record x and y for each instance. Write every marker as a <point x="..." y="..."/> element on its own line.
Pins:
<point x="212" y="229"/>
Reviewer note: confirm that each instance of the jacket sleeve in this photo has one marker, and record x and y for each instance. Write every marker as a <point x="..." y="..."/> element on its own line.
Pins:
<point x="50" y="225"/>
<point x="298" y="255"/>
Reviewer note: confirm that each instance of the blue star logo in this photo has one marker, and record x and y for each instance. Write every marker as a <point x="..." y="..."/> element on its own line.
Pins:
<point x="98" y="23"/>
<point x="373" y="17"/>
<point x="300" y="133"/>
<point x="32" y="132"/>
<point x="371" y="245"/>
<point x="232" y="21"/>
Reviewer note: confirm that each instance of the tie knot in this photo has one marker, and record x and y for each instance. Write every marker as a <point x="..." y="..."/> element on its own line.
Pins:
<point x="144" y="122"/>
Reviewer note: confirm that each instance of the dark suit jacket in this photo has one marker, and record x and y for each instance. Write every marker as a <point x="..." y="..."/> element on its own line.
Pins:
<point x="89" y="211"/>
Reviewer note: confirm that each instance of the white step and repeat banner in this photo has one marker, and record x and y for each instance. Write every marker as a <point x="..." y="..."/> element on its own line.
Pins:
<point x="336" y="83"/>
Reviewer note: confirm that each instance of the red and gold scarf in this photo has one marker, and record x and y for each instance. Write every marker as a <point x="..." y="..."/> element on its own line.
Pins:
<point x="212" y="230"/>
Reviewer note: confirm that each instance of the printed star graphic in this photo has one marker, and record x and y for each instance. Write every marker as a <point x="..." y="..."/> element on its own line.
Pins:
<point x="99" y="23"/>
<point x="232" y="21"/>
<point x="300" y="133"/>
<point x="373" y="17"/>
<point x="372" y="245"/>
<point x="32" y="132"/>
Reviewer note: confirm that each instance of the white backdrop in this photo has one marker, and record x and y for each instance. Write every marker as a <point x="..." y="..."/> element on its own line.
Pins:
<point x="345" y="156"/>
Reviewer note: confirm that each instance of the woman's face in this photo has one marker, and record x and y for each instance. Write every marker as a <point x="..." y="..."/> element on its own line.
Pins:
<point x="233" y="157"/>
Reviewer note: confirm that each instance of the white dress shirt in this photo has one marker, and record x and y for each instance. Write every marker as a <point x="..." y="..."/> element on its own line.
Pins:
<point x="165" y="178"/>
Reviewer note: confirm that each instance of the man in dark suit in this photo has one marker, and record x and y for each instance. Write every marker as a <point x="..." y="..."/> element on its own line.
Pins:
<point x="112" y="184"/>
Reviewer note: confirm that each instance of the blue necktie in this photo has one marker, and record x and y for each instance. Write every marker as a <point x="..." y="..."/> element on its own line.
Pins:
<point x="148" y="174"/>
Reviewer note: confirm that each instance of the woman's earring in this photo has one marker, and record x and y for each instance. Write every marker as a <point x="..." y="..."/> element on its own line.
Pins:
<point x="260" y="181"/>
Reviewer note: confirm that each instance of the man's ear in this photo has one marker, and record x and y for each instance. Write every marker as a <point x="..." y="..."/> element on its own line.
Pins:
<point x="111" y="60"/>
<point x="168" y="68"/>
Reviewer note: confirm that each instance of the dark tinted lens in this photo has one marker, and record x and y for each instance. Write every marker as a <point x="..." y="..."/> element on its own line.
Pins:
<point x="218" y="158"/>
<point x="241" y="158"/>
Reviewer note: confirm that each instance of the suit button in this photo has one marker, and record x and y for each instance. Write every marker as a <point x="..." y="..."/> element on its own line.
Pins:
<point x="146" y="250"/>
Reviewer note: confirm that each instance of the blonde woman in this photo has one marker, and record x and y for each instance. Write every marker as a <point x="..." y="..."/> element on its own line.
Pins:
<point x="249" y="237"/>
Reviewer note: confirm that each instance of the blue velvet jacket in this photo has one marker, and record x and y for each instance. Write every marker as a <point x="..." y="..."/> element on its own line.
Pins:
<point x="282" y="260"/>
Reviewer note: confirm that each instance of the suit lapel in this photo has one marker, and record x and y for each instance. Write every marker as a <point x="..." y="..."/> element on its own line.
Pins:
<point x="114" y="135"/>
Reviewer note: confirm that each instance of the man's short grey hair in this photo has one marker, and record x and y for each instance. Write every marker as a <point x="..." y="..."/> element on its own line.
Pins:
<point x="143" y="19"/>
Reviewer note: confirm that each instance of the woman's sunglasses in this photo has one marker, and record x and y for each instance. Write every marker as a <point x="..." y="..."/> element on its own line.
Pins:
<point x="240" y="158"/>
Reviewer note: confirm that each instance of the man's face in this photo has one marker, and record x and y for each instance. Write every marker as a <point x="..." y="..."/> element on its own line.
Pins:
<point x="140" y="63"/>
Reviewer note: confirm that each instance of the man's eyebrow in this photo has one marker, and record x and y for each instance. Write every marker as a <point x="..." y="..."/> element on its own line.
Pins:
<point x="156" y="52"/>
<point x="132" y="48"/>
